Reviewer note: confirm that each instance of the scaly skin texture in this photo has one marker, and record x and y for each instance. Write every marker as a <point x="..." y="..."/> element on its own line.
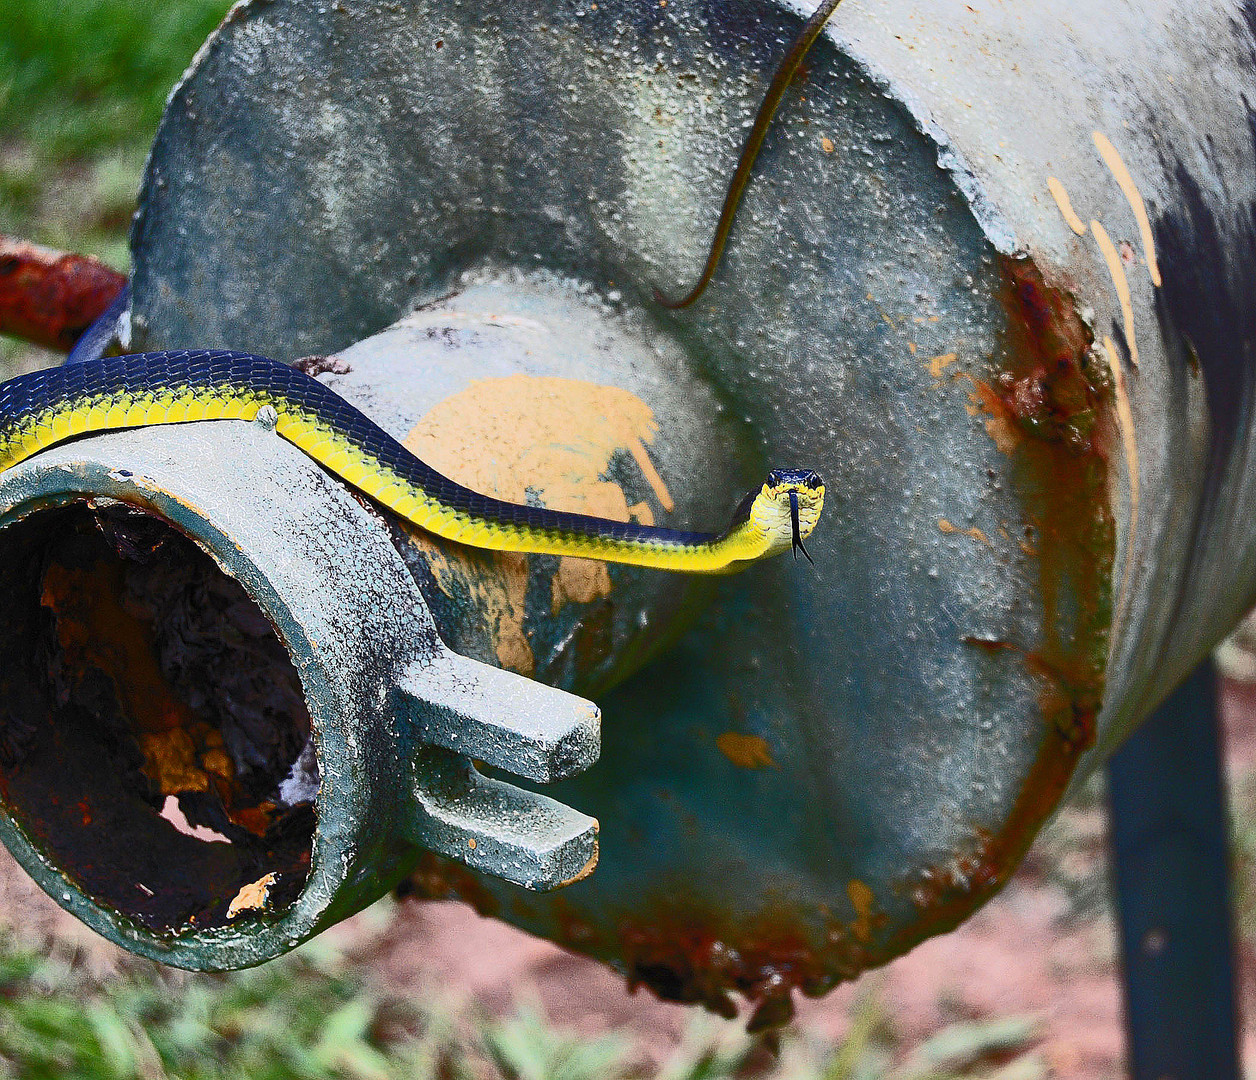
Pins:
<point x="48" y="407"/>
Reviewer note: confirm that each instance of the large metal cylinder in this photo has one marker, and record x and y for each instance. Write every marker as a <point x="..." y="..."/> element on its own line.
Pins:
<point x="990" y="279"/>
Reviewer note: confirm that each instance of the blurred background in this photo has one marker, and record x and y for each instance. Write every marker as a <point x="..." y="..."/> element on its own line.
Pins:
<point x="1027" y="989"/>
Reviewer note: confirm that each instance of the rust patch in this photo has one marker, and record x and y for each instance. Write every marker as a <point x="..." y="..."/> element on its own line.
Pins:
<point x="1058" y="388"/>
<point x="696" y="955"/>
<point x="688" y="957"/>
<point x="861" y="900"/>
<point x="145" y="683"/>
<point x="1000" y="422"/>
<point x="50" y="297"/>
<point x="438" y="878"/>
<point x="745" y="751"/>
<point x="543" y="440"/>
<point x="95" y="630"/>
<point x="1056" y="414"/>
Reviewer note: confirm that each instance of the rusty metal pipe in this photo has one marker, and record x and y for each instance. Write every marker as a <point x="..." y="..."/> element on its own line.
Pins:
<point x="991" y="280"/>
<point x="290" y="756"/>
<point x="50" y="297"/>
<point x="229" y="721"/>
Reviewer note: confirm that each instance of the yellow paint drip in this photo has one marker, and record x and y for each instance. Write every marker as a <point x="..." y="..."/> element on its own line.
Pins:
<point x="1120" y="283"/>
<point x="1125" y="181"/>
<point x="1066" y="207"/>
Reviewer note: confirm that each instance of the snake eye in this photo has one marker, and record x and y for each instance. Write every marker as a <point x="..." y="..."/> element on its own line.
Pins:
<point x="794" y="478"/>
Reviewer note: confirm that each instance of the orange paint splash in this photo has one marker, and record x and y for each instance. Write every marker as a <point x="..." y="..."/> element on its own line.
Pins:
<point x="745" y="751"/>
<point x="526" y="437"/>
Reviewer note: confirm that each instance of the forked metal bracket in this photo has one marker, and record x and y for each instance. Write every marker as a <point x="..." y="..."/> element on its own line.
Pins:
<point x="462" y="713"/>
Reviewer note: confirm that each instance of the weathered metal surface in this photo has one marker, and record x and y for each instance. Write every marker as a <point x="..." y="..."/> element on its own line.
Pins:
<point x="50" y="297"/>
<point x="358" y="782"/>
<point x="989" y="280"/>
<point x="1087" y="139"/>
<point x="531" y="391"/>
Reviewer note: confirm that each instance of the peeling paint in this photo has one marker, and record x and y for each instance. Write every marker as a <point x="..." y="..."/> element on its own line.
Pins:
<point x="541" y="440"/>
<point x="745" y="751"/>
<point x="252" y="897"/>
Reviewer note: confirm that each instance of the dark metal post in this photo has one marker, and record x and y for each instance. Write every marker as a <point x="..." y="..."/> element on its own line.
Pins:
<point x="1171" y="870"/>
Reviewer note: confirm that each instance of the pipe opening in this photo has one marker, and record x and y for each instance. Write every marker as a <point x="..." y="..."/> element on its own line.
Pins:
<point x="155" y="744"/>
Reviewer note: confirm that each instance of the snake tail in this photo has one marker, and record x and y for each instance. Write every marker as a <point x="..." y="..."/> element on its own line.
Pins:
<point x="48" y="407"/>
<point x="785" y="73"/>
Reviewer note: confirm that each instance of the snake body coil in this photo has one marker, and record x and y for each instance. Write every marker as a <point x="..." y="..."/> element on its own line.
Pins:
<point x="47" y="407"/>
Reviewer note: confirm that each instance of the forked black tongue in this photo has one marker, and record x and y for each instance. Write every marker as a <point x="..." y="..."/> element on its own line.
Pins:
<point x="793" y="517"/>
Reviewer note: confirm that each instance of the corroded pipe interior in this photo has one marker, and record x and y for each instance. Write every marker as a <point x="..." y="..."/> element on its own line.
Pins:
<point x="154" y="741"/>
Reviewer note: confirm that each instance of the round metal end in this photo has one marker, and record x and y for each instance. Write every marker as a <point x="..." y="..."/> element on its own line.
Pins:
<point x="201" y="639"/>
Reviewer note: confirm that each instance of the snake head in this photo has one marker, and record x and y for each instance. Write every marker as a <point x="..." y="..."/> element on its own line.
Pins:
<point x="788" y="507"/>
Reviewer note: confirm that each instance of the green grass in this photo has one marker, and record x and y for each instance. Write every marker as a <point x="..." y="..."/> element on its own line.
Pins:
<point x="80" y="77"/>
<point x="82" y="85"/>
<point x="307" y="1016"/>
<point x="314" y="1015"/>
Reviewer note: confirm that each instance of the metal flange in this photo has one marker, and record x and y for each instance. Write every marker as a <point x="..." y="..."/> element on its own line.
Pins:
<point x="288" y="813"/>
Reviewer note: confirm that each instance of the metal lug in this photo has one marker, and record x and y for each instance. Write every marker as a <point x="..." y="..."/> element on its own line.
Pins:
<point x="517" y="835"/>
<point x="498" y="717"/>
